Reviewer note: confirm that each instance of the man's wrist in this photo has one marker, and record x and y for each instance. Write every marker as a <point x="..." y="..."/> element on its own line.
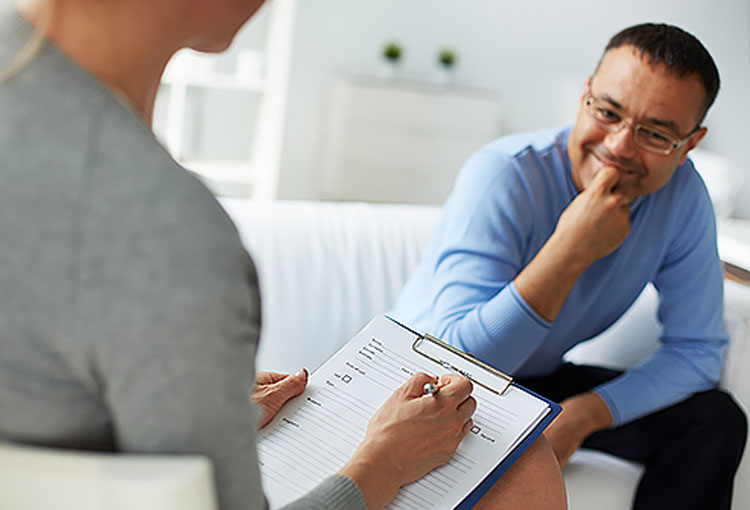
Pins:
<point x="575" y="259"/>
<point x="591" y="410"/>
<point x="547" y="280"/>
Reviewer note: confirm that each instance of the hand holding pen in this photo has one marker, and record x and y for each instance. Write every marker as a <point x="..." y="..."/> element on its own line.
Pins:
<point x="412" y="433"/>
<point x="430" y="389"/>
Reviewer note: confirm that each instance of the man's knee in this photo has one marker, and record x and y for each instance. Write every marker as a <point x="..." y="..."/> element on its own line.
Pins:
<point x="534" y="481"/>
<point x="724" y="420"/>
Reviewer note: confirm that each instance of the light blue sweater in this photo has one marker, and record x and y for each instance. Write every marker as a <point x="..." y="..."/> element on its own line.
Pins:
<point x="505" y="205"/>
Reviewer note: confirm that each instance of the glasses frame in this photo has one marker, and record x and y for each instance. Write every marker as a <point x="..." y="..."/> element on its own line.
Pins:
<point x="675" y="143"/>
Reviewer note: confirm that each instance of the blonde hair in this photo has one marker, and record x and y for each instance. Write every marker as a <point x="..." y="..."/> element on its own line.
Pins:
<point x="32" y="47"/>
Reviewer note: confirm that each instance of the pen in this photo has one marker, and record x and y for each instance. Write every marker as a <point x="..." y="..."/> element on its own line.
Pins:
<point x="430" y="389"/>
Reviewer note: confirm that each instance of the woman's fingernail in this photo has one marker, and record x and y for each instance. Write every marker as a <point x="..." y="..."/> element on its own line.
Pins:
<point x="302" y="373"/>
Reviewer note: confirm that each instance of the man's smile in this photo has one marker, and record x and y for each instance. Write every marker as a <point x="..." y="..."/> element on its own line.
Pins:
<point x="625" y="168"/>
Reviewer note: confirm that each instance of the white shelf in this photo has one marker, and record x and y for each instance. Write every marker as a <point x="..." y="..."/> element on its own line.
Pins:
<point x="252" y="99"/>
<point x="419" y="86"/>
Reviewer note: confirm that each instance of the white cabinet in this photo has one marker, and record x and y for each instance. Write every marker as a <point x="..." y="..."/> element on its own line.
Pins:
<point x="222" y="116"/>
<point x="402" y="141"/>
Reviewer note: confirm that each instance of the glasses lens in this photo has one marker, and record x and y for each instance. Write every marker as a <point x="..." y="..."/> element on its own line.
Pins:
<point x="604" y="116"/>
<point x="653" y="138"/>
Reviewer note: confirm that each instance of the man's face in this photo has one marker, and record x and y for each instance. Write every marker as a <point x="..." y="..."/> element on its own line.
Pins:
<point x="640" y="94"/>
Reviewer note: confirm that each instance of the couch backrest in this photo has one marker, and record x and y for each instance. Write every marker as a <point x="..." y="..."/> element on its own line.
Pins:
<point x="326" y="269"/>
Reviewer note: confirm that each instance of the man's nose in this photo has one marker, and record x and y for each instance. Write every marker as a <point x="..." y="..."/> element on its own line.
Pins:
<point x="622" y="143"/>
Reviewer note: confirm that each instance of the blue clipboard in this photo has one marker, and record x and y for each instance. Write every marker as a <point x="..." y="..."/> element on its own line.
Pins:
<point x="554" y="410"/>
<point x="472" y="498"/>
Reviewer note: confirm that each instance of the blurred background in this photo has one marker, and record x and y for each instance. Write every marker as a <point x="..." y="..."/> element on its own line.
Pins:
<point x="383" y="100"/>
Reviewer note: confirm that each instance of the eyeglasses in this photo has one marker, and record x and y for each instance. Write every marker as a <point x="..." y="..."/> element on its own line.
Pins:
<point x="650" y="138"/>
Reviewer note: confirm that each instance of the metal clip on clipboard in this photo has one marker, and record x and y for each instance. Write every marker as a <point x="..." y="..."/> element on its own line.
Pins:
<point x="508" y="380"/>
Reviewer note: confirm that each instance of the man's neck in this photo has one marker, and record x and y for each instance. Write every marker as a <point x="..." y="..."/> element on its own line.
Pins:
<point x="125" y="51"/>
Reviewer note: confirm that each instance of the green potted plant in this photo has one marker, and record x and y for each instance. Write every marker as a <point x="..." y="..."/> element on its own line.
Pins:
<point x="392" y="52"/>
<point x="447" y="58"/>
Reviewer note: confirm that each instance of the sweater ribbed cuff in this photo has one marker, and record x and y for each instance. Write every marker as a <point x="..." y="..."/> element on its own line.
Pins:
<point x="337" y="492"/>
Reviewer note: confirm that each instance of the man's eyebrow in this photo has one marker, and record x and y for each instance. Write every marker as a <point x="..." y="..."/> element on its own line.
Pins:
<point x="612" y="101"/>
<point x="669" y="124"/>
<point x="666" y="123"/>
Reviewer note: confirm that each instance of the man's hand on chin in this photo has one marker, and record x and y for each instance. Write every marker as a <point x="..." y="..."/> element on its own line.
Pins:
<point x="582" y="415"/>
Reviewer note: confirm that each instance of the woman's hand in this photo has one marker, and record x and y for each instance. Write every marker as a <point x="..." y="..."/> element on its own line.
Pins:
<point x="410" y="435"/>
<point x="272" y="390"/>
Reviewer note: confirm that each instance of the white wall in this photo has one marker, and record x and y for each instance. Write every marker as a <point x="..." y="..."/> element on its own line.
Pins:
<point x="535" y="53"/>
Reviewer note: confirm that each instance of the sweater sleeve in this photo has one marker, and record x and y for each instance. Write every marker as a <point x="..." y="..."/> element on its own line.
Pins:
<point x="337" y="492"/>
<point x="693" y="340"/>
<point x="483" y="245"/>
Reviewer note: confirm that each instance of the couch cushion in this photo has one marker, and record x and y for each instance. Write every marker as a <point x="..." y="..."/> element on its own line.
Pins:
<point x="596" y="480"/>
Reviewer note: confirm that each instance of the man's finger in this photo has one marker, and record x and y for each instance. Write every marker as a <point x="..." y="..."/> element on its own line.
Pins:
<point x="606" y="179"/>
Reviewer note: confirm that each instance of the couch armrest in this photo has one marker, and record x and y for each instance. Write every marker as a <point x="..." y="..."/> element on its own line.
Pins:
<point x="736" y="374"/>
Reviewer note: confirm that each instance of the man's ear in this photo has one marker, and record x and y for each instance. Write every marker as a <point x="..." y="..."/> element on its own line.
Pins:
<point x="586" y="87"/>
<point x="695" y="139"/>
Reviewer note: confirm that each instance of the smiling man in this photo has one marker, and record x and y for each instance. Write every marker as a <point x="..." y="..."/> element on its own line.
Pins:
<point x="549" y="237"/>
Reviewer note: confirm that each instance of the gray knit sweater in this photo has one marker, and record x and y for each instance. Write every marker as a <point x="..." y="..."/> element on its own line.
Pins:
<point x="130" y="311"/>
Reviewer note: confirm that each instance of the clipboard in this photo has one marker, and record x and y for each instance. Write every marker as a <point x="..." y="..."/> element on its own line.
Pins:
<point x="505" y="381"/>
<point x="329" y="419"/>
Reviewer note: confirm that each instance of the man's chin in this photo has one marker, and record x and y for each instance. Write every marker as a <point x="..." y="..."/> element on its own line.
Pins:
<point x="628" y="189"/>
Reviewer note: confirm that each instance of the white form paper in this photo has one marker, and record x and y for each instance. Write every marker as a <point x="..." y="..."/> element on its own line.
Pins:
<point x="316" y="433"/>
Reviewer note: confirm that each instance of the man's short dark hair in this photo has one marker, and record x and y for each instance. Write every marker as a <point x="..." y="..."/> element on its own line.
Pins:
<point x="681" y="53"/>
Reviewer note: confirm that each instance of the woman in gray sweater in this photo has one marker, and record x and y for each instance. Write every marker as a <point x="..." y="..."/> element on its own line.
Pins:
<point x="130" y="312"/>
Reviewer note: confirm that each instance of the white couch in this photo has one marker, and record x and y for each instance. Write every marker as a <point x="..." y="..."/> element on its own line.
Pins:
<point x="326" y="268"/>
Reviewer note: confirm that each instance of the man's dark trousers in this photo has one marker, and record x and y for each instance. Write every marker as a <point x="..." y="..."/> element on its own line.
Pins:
<point x="690" y="450"/>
